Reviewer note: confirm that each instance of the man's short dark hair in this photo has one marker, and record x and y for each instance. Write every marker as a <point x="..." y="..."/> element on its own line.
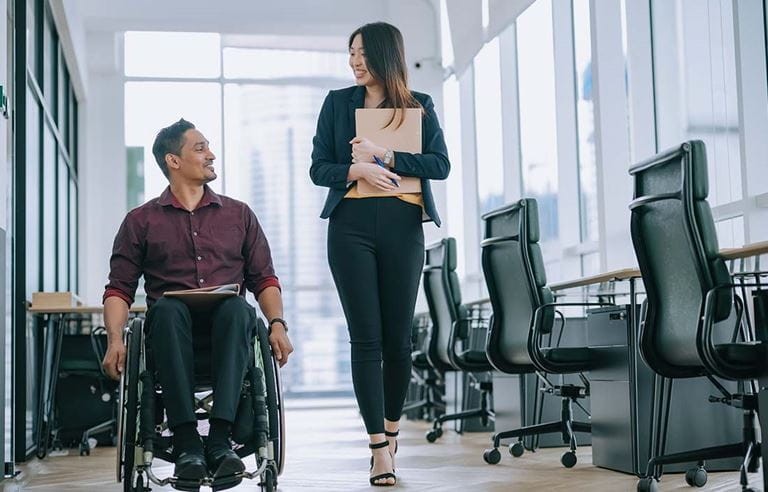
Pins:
<point x="170" y="140"/>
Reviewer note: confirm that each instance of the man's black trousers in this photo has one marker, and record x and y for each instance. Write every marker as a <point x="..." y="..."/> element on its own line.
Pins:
<point x="184" y="344"/>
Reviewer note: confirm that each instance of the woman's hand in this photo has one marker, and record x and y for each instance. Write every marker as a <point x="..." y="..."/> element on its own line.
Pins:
<point x="377" y="176"/>
<point x="363" y="150"/>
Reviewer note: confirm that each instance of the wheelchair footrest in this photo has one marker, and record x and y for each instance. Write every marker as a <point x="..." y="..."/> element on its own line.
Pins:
<point x="222" y="483"/>
<point x="186" y="485"/>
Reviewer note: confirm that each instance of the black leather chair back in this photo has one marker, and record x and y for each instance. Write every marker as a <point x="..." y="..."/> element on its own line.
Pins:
<point x="674" y="238"/>
<point x="516" y="281"/>
<point x="443" y="293"/>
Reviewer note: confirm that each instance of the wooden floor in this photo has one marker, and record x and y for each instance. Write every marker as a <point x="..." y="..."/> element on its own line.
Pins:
<point x="327" y="451"/>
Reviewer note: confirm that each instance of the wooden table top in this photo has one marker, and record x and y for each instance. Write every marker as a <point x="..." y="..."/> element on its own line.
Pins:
<point x="81" y="310"/>
<point x="754" y="249"/>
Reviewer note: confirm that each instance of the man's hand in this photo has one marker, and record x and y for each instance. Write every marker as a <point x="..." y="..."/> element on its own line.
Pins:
<point x="114" y="359"/>
<point x="281" y="345"/>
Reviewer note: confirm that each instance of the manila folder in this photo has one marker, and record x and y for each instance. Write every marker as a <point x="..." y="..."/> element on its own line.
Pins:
<point x="372" y="124"/>
<point x="204" y="298"/>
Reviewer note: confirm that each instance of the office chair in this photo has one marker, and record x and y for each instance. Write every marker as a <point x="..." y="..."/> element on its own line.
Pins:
<point x="690" y="297"/>
<point x="426" y="381"/>
<point x="523" y="312"/>
<point x="450" y="332"/>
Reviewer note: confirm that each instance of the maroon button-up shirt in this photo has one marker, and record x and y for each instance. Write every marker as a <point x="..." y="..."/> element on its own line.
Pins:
<point x="220" y="242"/>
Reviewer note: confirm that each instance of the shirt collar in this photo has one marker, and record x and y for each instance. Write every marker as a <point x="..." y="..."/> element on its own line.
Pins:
<point x="209" y="198"/>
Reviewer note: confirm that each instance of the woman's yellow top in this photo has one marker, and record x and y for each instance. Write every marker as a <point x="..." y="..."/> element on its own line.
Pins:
<point x="414" y="198"/>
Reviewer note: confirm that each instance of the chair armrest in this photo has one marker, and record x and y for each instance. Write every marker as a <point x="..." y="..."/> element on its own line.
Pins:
<point x="712" y="360"/>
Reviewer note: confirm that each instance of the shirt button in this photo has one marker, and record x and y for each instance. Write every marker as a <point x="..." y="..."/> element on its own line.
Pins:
<point x="199" y="258"/>
<point x="194" y="233"/>
<point x="202" y="281"/>
<point x="191" y="213"/>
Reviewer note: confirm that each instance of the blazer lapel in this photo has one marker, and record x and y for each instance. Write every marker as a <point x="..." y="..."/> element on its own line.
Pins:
<point x="356" y="101"/>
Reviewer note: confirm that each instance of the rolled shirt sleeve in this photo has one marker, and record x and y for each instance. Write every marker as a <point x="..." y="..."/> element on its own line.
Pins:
<point x="259" y="271"/>
<point x="126" y="260"/>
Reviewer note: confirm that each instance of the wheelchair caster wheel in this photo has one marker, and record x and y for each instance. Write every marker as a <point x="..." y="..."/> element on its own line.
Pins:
<point x="434" y="434"/>
<point x="647" y="485"/>
<point x="517" y="449"/>
<point x="568" y="459"/>
<point x="696" y="477"/>
<point x="140" y="483"/>
<point x="269" y="480"/>
<point x="492" y="456"/>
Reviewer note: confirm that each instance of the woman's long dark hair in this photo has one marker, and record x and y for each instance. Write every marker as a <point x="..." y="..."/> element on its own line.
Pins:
<point x="385" y="59"/>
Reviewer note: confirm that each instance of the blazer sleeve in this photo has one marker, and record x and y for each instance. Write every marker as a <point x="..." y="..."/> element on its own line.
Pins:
<point x="433" y="161"/>
<point x="325" y="171"/>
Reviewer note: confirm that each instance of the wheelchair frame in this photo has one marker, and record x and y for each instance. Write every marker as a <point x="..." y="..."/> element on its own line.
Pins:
<point x="135" y="454"/>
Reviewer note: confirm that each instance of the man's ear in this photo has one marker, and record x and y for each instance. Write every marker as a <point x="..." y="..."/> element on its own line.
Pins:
<point x="172" y="161"/>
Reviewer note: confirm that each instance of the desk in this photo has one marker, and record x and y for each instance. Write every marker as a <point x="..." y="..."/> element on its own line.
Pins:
<point x="52" y="335"/>
<point x="747" y="251"/>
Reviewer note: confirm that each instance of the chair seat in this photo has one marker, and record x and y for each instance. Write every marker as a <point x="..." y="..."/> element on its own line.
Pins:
<point x="573" y="356"/>
<point x="475" y="357"/>
<point x="420" y="360"/>
<point x="744" y="353"/>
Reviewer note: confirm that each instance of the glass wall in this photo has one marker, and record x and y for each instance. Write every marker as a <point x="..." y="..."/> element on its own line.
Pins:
<point x="46" y="254"/>
<point x="679" y="62"/>
<point x="490" y="163"/>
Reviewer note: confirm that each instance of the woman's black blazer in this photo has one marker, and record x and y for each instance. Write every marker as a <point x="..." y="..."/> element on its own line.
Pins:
<point x="332" y="152"/>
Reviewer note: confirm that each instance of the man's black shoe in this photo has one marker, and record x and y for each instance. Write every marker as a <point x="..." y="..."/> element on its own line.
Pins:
<point x="223" y="462"/>
<point x="190" y="467"/>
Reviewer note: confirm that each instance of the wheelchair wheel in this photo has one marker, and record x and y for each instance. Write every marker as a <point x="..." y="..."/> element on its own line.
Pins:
<point x="129" y="406"/>
<point x="274" y="398"/>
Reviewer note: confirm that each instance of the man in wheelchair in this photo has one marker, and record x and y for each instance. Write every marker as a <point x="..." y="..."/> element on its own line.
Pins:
<point x="190" y="237"/>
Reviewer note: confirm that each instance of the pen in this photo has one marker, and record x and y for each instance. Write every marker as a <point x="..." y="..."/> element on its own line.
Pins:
<point x="378" y="161"/>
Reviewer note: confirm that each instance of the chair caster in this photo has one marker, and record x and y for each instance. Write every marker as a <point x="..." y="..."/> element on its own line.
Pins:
<point x="434" y="434"/>
<point x="647" y="485"/>
<point x="492" y="456"/>
<point x="696" y="477"/>
<point x="85" y="449"/>
<point x="568" y="459"/>
<point x="517" y="449"/>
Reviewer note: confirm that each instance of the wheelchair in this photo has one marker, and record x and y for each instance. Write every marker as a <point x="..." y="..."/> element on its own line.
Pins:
<point x="143" y="435"/>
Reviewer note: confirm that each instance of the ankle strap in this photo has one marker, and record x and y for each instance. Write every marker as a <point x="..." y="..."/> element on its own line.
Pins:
<point x="379" y="445"/>
<point x="392" y="434"/>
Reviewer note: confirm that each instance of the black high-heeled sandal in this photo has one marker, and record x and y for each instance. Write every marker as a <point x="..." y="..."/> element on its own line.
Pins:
<point x="382" y="476"/>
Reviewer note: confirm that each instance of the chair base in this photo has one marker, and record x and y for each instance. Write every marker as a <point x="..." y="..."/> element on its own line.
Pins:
<point x="749" y="449"/>
<point x="484" y="413"/>
<point x="566" y="426"/>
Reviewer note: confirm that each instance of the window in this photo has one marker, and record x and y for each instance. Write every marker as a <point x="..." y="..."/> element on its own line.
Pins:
<point x="490" y="163"/>
<point x="582" y="55"/>
<point x="172" y="54"/>
<point x="150" y="106"/>
<point x="47" y="253"/>
<point x="538" y="133"/>
<point x="455" y="188"/>
<point x="695" y="81"/>
<point x="260" y="116"/>
<point x="279" y="64"/>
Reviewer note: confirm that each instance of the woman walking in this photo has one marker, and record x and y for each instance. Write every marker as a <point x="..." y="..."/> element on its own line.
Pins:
<point x="376" y="241"/>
